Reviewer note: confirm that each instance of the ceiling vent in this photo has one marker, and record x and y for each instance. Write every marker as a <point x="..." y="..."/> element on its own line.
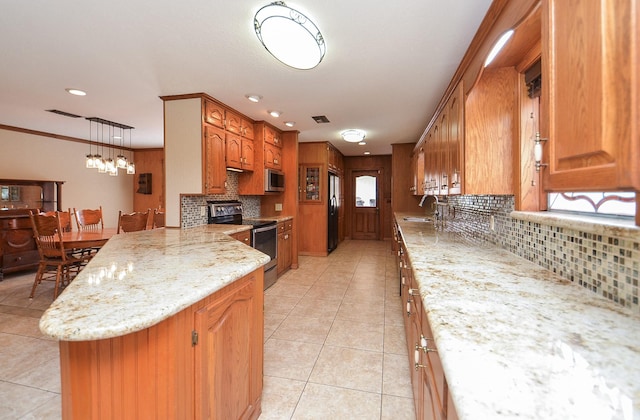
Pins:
<point x="321" y="119"/>
<point x="65" y="114"/>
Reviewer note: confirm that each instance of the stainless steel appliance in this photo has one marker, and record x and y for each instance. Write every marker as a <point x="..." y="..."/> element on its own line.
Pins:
<point x="273" y="180"/>
<point x="264" y="233"/>
<point x="334" y="203"/>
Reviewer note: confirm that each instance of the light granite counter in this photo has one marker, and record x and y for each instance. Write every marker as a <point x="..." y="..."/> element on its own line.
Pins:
<point x="517" y="341"/>
<point x="141" y="278"/>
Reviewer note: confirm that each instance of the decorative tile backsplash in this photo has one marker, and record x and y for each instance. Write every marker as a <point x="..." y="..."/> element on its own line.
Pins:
<point x="193" y="204"/>
<point x="605" y="260"/>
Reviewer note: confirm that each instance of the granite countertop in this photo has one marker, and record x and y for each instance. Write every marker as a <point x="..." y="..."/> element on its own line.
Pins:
<point x="516" y="340"/>
<point x="274" y="218"/>
<point x="141" y="278"/>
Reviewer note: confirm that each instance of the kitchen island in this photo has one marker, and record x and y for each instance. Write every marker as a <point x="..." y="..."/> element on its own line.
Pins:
<point x="514" y="339"/>
<point x="165" y="323"/>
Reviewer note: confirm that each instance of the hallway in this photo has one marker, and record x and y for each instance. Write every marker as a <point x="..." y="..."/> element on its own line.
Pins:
<point x="334" y="342"/>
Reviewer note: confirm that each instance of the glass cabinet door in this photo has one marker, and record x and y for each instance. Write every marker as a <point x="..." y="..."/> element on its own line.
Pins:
<point x="311" y="184"/>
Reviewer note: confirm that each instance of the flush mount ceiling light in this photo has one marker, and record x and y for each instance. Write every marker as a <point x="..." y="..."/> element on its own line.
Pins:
<point x="498" y="46"/>
<point x="275" y="114"/>
<point x="76" y="92"/>
<point x="362" y="143"/>
<point x="288" y="35"/>
<point x="353" y="135"/>
<point x="289" y="123"/>
<point x="253" y="97"/>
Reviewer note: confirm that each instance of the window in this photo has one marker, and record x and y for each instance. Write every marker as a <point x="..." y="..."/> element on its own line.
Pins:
<point x="366" y="191"/>
<point x="619" y="204"/>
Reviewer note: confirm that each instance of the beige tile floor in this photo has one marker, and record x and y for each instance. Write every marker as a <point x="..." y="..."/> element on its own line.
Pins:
<point x="334" y="342"/>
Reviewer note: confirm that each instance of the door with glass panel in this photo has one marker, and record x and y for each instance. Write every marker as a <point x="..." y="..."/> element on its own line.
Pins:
<point x="366" y="207"/>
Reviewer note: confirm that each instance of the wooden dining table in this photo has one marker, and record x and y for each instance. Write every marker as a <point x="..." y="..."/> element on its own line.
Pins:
<point x="87" y="238"/>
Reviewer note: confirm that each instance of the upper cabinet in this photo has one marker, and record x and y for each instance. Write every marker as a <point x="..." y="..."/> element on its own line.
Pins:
<point x="590" y="95"/>
<point x="215" y="174"/>
<point x="214" y="113"/>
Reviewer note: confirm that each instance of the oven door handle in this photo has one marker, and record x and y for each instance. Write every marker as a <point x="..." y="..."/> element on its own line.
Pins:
<point x="265" y="228"/>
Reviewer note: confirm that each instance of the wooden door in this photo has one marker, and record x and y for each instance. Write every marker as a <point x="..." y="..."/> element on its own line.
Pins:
<point x="228" y="355"/>
<point x="366" y="208"/>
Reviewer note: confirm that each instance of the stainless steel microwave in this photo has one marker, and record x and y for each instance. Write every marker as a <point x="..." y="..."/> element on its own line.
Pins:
<point x="273" y="180"/>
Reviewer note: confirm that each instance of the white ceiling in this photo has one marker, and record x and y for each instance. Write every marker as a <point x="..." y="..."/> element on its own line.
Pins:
<point x="386" y="67"/>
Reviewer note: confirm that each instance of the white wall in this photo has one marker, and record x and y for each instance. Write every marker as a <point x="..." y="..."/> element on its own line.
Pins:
<point x="27" y="156"/>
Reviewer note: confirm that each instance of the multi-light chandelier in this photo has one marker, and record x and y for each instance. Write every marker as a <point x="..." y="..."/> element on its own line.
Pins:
<point x="113" y="140"/>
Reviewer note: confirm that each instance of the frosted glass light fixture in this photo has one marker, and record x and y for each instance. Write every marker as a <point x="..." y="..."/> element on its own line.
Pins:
<point x="353" y="135"/>
<point x="290" y="36"/>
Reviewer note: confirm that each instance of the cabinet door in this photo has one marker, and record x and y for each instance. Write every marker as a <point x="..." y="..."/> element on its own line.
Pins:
<point x="234" y="151"/>
<point x="228" y="354"/>
<point x="271" y="136"/>
<point x="247" y="155"/>
<point x="311" y="184"/>
<point x="247" y="129"/>
<point x="214" y="113"/>
<point x="233" y="123"/>
<point x="590" y="89"/>
<point x="272" y="156"/>
<point x="281" y="249"/>
<point x="455" y="143"/>
<point x="215" y="170"/>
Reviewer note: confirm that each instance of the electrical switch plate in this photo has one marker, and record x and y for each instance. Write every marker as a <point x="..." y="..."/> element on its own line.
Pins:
<point x="278" y="206"/>
<point x="492" y="223"/>
<point x="203" y="211"/>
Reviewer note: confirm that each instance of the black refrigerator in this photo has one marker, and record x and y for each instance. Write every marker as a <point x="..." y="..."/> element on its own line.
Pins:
<point x="334" y="205"/>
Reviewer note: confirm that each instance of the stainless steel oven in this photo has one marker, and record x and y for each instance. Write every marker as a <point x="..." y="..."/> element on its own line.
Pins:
<point x="264" y="233"/>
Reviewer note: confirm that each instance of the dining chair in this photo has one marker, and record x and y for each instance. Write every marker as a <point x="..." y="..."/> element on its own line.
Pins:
<point x="65" y="219"/>
<point x="158" y="219"/>
<point x="55" y="264"/>
<point x="133" y="222"/>
<point x="89" y="219"/>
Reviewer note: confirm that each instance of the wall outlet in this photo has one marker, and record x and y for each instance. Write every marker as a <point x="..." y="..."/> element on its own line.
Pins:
<point x="492" y="223"/>
<point x="278" y="206"/>
<point x="203" y="211"/>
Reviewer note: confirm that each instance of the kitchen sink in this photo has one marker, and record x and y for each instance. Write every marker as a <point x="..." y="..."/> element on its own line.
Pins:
<point x="417" y="219"/>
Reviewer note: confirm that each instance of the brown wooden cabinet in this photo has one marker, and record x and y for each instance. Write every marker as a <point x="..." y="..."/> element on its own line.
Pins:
<point x="214" y="113"/>
<point x="228" y="354"/>
<point x="285" y="246"/>
<point x="439" y="164"/>
<point x="215" y="173"/>
<point x="244" y="237"/>
<point x="18" y="250"/>
<point x="206" y="361"/>
<point x="590" y="95"/>
<point x="430" y="391"/>
<point x="239" y="152"/>
<point x="272" y="156"/>
<point x="272" y="136"/>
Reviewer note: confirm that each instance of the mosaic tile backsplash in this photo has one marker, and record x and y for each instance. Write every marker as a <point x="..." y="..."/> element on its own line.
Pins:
<point x="606" y="264"/>
<point x="192" y="205"/>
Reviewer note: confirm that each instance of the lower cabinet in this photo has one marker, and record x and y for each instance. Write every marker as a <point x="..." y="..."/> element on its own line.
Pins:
<point x="285" y="246"/>
<point x="244" y="237"/>
<point x="204" y="362"/>
<point x="430" y="392"/>
<point x="18" y="250"/>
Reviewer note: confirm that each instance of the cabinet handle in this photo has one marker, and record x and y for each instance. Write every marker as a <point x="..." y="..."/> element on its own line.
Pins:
<point x="408" y="307"/>
<point x="416" y="359"/>
<point x="423" y="346"/>
<point x="414" y="292"/>
<point x="286" y="236"/>
<point x="403" y="280"/>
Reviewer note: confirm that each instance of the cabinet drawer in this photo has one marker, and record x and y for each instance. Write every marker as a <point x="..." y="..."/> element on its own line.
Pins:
<point x="19" y="260"/>
<point x="244" y="237"/>
<point x="15" y="223"/>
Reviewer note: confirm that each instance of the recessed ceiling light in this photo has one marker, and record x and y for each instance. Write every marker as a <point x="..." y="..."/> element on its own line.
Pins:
<point x="76" y="92"/>
<point x="253" y="97"/>
<point x="353" y="135"/>
<point x="275" y="114"/>
<point x="289" y="123"/>
<point x="367" y="152"/>
<point x="362" y="143"/>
